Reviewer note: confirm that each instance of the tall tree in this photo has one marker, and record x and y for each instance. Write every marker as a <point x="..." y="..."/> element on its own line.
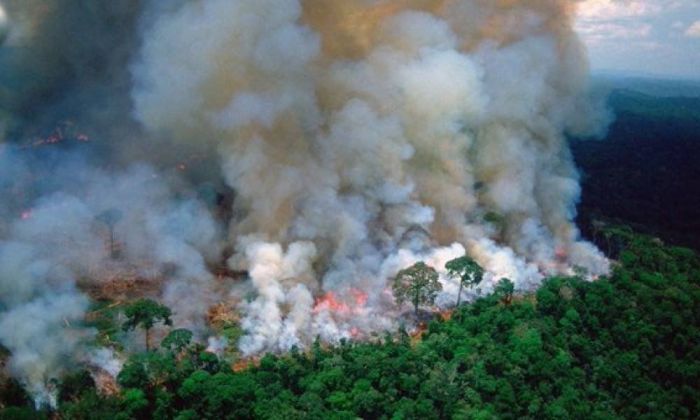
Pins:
<point x="467" y="271"/>
<point x="417" y="284"/>
<point x="145" y="313"/>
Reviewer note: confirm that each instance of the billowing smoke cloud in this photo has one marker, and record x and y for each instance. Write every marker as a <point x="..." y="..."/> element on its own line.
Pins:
<point x="356" y="137"/>
<point x="353" y="125"/>
<point x="35" y="324"/>
<point x="59" y="250"/>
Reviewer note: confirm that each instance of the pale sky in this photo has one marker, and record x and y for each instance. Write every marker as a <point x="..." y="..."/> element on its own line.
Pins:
<point x="656" y="37"/>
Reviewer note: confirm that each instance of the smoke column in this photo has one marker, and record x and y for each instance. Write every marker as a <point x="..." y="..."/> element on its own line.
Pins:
<point x="361" y="136"/>
<point x="356" y="138"/>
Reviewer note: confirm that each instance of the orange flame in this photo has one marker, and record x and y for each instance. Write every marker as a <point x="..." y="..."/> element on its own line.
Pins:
<point x="330" y="302"/>
<point x="359" y="296"/>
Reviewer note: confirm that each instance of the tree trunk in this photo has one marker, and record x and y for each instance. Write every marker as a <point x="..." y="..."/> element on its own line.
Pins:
<point x="148" y="344"/>
<point x="459" y="295"/>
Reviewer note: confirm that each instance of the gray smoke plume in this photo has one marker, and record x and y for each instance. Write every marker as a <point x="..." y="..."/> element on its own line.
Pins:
<point x="55" y="252"/>
<point x="355" y="137"/>
<point x="35" y="324"/>
<point x="66" y="59"/>
<point x="349" y="125"/>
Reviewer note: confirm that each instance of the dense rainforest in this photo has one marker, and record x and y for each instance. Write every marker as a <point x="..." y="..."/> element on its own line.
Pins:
<point x="620" y="347"/>
<point x="645" y="173"/>
<point x="625" y="346"/>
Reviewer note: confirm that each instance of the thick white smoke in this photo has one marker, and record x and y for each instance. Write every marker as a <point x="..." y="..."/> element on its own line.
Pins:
<point x="57" y="251"/>
<point x="361" y="136"/>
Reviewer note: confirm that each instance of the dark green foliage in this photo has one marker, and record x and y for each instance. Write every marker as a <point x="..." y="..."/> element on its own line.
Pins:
<point x="134" y="403"/>
<point x="221" y="393"/>
<point x="12" y="394"/>
<point x="92" y="406"/>
<point x="145" y="313"/>
<point x="177" y="340"/>
<point x="621" y="347"/>
<point x="103" y="317"/>
<point x="74" y="385"/>
<point x="20" y="413"/>
<point x="504" y="290"/>
<point x="133" y="374"/>
<point x="78" y="399"/>
<point x="417" y="284"/>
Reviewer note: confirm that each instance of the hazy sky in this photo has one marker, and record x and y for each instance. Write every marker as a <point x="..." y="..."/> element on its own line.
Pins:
<point x="643" y="36"/>
<point x="657" y="37"/>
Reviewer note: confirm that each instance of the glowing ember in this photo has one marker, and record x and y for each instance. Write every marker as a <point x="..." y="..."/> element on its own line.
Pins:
<point x="64" y="132"/>
<point x="330" y="302"/>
